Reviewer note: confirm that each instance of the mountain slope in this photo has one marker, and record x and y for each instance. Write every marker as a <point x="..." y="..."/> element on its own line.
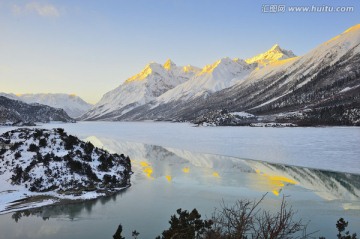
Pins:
<point x="320" y="87"/>
<point x="275" y="54"/>
<point x="166" y="83"/>
<point x="223" y="74"/>
<point x="319" y="76"/>
<point x="324" y="82"/>
<point x="73" y="105"/>
<point x="151" y="82"/>
<point x="14" y="111"/>
<point x="217" y="76"/>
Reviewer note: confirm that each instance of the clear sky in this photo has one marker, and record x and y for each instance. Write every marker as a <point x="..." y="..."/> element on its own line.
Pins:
<point x="89" y="47"/>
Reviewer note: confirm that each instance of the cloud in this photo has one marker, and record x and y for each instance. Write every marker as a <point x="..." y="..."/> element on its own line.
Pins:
<point x="43" y="10"/>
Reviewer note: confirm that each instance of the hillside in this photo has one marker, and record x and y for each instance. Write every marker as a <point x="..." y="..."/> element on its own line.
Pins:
<point x="40" y="162"/>
<point x="73" y="105"/>
<point x="14" y="112"/>
<point x="318" y="88"/>
<point x="154" y="80"/>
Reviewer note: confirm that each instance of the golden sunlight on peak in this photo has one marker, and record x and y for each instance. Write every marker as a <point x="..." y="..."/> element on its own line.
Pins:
<point x="209" y="68"/>
<point x="168" y="64"/>
<point x="186" y="170"/>
<point x="276" y="46"/>
<point x="188" y="68"/>
<point x="142" y="75"/>
<point x="72" y="95"/>
<point x="353" y="28"/>
<point x="18" y="95"/>
<point x="283" y="61"/>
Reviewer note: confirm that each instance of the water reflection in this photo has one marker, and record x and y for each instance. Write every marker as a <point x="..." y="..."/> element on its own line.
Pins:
<point x="160" y="166"/>
<point x="174" y="164"/>
<point x="66" y="211"/>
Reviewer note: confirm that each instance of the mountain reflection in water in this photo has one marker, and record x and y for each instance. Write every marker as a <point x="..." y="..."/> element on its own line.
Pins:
<point x="166" y="172"/>
<point x="178" y="165"/>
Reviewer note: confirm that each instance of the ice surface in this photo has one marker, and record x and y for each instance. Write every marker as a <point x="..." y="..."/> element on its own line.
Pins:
<point x="332" y="148"/>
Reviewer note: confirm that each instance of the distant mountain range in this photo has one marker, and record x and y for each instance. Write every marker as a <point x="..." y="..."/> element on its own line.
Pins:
<point x="73" y="105"/>
<point x="320" y="87"/>
<point x="15" y="112"/>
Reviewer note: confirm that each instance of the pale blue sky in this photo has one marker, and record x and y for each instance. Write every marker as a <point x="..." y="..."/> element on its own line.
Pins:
<point x="90" y="47"/>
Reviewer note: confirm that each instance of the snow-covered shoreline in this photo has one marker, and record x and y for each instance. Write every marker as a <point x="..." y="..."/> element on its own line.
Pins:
<point x="40" y="167"/>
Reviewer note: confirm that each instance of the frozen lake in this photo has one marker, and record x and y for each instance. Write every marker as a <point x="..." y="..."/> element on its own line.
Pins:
<point x="180" y="166"/>
<point x="331" y="148"/>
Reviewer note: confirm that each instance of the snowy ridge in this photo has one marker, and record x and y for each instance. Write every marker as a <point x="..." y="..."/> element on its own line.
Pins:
<point x="275" y="79"/>
<point x="311" y="63"/>
<point x="273" y="55"/>
<point x="151" y="82"/>
<point x="51" y="163"/>
<point x="217" y="76"/>
<point x="73" y="105"/>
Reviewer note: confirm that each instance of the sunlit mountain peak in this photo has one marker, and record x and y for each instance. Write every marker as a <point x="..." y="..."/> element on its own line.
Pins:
<point x="169" y="64"/>
<point x="274" y="54"/>
<point x="190" y="68"/>
<point x="224" y="62"/>
<point x="149" y="68"/>
<point x="275" y="47"/>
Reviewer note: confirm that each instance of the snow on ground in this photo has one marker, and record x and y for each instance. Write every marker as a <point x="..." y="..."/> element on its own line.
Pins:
<point x="243" y="114"/>
<point x="41" y="167"/>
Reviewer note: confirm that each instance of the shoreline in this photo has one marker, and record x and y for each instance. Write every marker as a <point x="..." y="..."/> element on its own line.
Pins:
<point x="43" y="200"/>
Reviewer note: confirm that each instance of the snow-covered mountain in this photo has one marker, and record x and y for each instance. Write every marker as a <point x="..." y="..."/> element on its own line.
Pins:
<point x="318" y="77"/>
<point x="217" y="76"/>
<point x="324" y="83"/>
<point x="10" y="96"/>
<point x="16" y="112"/>
<point x="273" y="55"/>
<point x="158" y="84"/>
<point x="73" y="105"/>
<point x="154" y="80"/>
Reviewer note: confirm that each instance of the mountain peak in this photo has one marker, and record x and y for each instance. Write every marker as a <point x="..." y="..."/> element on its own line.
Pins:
<point x="275" y="47"/>
<point x="169" y="64"/>
<point x="148" y="69"/>
<point x="226" y="64"/>
<point x="274" y="54"/>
